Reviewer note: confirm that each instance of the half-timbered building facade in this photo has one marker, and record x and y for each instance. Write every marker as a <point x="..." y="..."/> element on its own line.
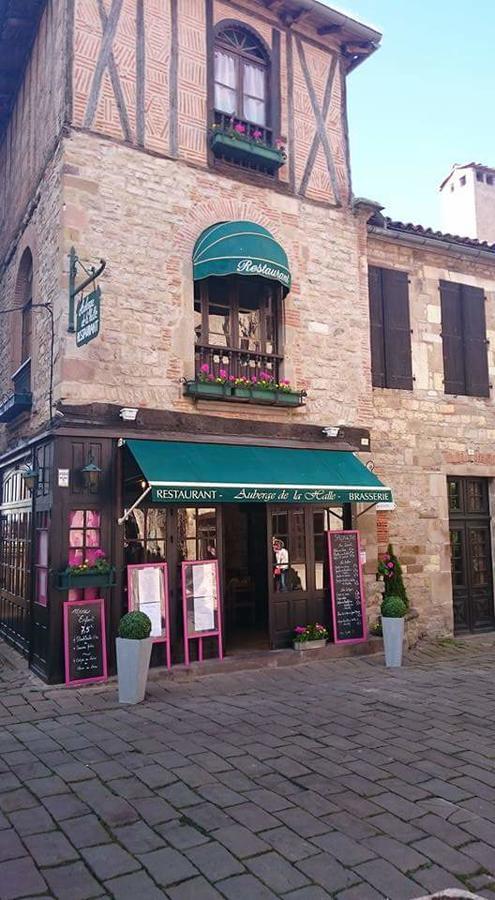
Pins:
<point x="214" y="393"/>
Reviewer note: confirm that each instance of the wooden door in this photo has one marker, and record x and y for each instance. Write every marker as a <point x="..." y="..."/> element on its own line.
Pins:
<point x="471" y="554"/>
<point x="304" y="597"/>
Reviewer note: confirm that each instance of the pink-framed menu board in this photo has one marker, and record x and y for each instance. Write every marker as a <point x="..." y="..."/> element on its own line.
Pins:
<point x="147" y="591"/>
<point x="201" y="605"/>
<point x="85" y="641"/>
<point x="346" y="585"/>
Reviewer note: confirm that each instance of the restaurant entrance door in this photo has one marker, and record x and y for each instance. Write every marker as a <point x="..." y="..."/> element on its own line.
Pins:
<point x="245" y="579"/>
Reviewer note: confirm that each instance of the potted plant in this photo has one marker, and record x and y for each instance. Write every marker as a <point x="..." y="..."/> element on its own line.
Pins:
<point x="390" y="569"/>
<point x="309" y="637"/>
<point x="264" y="388"/>
<point x="393" y="610"/>
<point x="134" y="646"/>
<point x="240" y="143"/>
<point x="207" y="384"/>
<point x="99" y="573"/>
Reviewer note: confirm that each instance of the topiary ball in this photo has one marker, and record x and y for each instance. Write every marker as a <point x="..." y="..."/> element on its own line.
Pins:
<point x="135" y="626"/>
<point x="393" y="608"/>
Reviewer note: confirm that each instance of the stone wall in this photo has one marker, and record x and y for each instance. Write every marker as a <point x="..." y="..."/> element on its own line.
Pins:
<point x="144" y="214"/>
<point x="42" y="237"/>
<point x="35" y="123"/>
<point x="421" y="436"/>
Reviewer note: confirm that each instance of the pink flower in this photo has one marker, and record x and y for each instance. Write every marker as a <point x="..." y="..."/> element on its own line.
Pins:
<point x="100" y="554"/>
<point x="205" y="368"/>
<point x="223" y="373"/>
<point x="390" y="565"/>
<point x="257" y="134"/>
<point x="211" y="377"/>
<point x="231" y="377"/>
<point x="254" y="379"/>
<point x="240" y="128"/>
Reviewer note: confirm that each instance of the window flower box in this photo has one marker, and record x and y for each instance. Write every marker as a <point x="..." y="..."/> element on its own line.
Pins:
<point x="68" y="580"/>
<point x="246" y="151"/>
<point x="208" y="390"/>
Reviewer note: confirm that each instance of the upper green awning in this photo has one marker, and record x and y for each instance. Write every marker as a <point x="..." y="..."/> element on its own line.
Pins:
<point x="181" y="472"/>
<point x="240" y="248"/>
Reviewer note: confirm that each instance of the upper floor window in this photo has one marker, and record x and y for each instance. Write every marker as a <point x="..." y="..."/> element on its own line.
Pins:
<point x="237" y="323"/>
<point x="465" y="359"/>
<point x="391" y="365"/>
<point x="241" y="75"/>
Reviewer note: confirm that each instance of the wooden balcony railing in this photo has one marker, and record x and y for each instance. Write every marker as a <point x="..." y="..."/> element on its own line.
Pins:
<point x="239" y="363"/>
<point x="226" y="121"/>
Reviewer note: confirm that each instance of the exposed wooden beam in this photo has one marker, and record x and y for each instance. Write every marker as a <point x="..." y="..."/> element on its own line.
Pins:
<point x="329" y="29"/>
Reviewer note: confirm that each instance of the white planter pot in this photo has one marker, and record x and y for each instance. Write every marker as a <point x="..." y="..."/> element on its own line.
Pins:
<point x="393" y="637"/>
<point x="133" y="662"/>
<point x="308" y="645"/>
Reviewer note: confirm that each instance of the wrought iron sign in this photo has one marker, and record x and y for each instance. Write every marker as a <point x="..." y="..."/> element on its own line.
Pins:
<point x="85" y="321"/>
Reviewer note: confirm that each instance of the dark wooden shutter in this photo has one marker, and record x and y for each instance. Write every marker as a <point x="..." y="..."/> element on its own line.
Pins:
<point x="452" y="338"/>
<point x="376" y="326"/>
<point x="397" y="329"/>
<point x="475" y="343"/>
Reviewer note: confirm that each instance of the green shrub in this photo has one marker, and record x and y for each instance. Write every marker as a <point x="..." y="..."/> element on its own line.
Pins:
<point x="393" y="608"/>
<point x="135" y="625"/>
<point x="389" y="568"/>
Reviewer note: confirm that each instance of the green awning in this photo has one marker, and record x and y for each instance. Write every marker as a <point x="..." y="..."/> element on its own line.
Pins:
<point x="181" y="472"/>
<point x="240" y="248"/>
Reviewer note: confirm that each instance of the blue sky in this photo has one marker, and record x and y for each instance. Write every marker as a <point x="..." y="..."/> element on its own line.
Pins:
<point x="422" y="102"/>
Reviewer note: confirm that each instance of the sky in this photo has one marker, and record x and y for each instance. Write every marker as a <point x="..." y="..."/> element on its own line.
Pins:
<point x="422" y="102"/>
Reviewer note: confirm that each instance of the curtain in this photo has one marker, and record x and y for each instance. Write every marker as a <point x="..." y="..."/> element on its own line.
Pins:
<point x="254" y="94"/>
<point x="225" y="82"/>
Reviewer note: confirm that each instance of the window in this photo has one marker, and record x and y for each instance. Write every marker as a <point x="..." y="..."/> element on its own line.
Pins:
<point x="241" y="68"/>
<point x="42" y="528"/>
<point x="464" y="341"/>
<point x="489" y="179"/>
<point x="196" y="533"/>
<point x="462" y="180"/>
<point x="146" y="536"/>
<point x="391" y="365"/>
<point x="479" y="176"/>
<point x="26" y="332"/>
<point x="84" y="536"/>
<point x="236" y="322"/>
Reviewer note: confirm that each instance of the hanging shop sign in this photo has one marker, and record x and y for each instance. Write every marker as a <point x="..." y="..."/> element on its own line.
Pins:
<point x="85" y="641"/>
<point x="147" y="591"/>
<point x="88" y="318"/>
<point x="267" y="495"/>
<point x="346" y="584"/>
<point x="201" y="604"/>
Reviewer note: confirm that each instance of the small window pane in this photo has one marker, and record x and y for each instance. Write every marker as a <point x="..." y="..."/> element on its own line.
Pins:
<point x="219" y="325"/>
<point x="454" y="495"/>
<point x="225" y="69"/>
<point x="254" y="110"/>
<point x="254" y="82"/>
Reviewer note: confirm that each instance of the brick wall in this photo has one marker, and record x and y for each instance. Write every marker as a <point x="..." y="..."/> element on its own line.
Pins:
<point x="110" y="105"/>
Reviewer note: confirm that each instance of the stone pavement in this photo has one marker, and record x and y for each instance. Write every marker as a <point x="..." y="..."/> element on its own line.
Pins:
<point x="330" y="779"/>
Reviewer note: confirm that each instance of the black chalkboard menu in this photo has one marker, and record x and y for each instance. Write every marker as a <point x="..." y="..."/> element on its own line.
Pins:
<point x="85" y="641"/>
<point x="346" y="583"/>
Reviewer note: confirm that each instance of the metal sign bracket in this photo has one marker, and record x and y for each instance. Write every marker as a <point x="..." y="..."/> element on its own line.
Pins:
<point x="93" y="273"/>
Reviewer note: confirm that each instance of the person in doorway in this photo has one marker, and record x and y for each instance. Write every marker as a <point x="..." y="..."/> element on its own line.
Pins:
<point x="281" y="567"/>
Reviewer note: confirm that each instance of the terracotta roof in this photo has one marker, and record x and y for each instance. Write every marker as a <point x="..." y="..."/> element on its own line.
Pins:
<point x="385" y="222"/>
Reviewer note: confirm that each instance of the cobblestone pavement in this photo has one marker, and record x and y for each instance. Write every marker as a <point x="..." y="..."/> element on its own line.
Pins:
<point x="330" y="779"/>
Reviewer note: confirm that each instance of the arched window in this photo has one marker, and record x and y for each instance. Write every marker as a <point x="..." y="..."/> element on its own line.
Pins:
<point x="24" y="303"/>
<point x="241" y="75"/>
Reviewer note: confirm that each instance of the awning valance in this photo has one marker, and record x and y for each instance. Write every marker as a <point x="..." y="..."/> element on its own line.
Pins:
<point x="182" y="472"/>
<point x="240" y="248"/>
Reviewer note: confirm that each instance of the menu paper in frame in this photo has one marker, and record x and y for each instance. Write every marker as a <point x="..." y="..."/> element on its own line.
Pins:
<point x="85" y="641"/>
<point x="347" y="591"/>
<point x="147" y="591"/>
<point x="201" y="604"/>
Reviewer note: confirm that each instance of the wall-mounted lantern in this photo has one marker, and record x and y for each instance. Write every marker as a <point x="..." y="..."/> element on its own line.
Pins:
<point x="29" y="477"/>
<point x="91" y="474"/>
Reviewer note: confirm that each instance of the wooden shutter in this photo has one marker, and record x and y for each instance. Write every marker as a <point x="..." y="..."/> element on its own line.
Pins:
<point x="376" y="326"/>
<point x="397" y="329"/>
<point x="452" y="338"/>
<point x="475" y="343"/>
